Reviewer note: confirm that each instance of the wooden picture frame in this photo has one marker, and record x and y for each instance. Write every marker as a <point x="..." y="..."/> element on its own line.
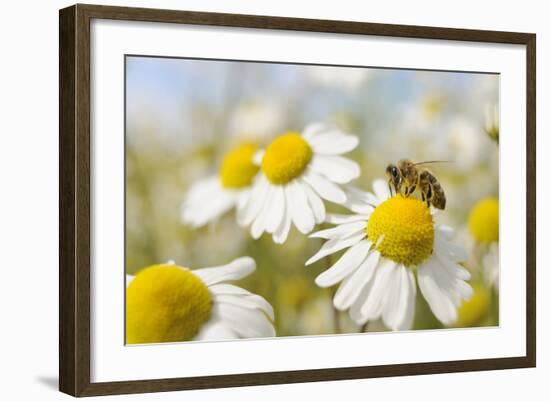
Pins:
<point x="75" y="208"/>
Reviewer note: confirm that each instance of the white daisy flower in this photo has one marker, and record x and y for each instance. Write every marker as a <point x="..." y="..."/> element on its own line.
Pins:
<point x="483" y="237"/>
<point x="349" y="79"/>
<point x="168" y="303"/>
<point x="297" y="172"/>
<point x="257" y="119"/>
<point x="389" y="240"/>
<point x="214" y="196"/>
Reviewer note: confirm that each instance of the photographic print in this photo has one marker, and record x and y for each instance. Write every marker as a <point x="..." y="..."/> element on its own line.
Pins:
<point x="275" y="199"/>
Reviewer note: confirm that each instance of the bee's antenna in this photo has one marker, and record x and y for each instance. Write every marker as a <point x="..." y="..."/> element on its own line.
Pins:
<point x="433" y="161"/>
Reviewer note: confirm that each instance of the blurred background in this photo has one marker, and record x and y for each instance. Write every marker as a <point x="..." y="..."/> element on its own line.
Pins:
<point x="182" y="115"/>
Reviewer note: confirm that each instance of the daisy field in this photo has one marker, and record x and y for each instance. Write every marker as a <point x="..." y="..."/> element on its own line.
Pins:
<point x="271" y="199"/>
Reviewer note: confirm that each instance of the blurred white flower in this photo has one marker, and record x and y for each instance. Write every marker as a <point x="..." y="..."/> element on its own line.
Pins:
<point x="297" y="172"/>
<point x="387" y="241"/>
<point x="466" y="143"/>
<point x="346" y="79"/>
<point x="255" y="120"/>
<point x="213" y="196"/>
<point x="483" y="233"/>
<point x="167" y="303"/>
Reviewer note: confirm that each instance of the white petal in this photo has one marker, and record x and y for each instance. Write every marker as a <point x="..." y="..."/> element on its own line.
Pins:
<point x="465" y="290"/>
<point x="243" y="200"/>
<point x="129" y="279"/>
<point x="334" y="218"/>
<point x="250" y="301"/>
<point x="351" y="287"/>
<point x="235" y="270"/>
<point x="202" y="188"/>
<point x="335" y="245"/>
<point x="259" y="224"/>
<point x="281" y="233"/>
<point x="349" y="261"/>
<point x="364" y="196"/>
<point x="207" y="212"/>
<point x="372" y="308"/>
<point x="491" y="264"/>
<point x="341" y="231"/>
<point x="315" y="202"/>
<point x="213" y="202"/>
<point x="326" y="189"/>
<point x="454" y="269"/>
<point x="336" y="168"/>
<point x="381" y="189"/>
<point x="215" y="329"/>
<point x="247" y="323"/>
<point x="300" y="212"/>
<point x="448" y="282"/>
<point x="333" y="142"/>
<point x="395" y="310"/>
<point x="436" y="292"/>
<point x="408" y="319"/>
<point x="447" y="231"/>
<point x="258" y="156"/>
<point x="456" y="275"/>
<point x="355" y="310"/>
<point x="359" y="201"/>
<point x="227" y="289"/>
<point x="311" y="130"/>
<point x="448" y="250"/>
<point x="392" y="298"/>
<point x="257" y="200"/>
<point x="276" y="214"/>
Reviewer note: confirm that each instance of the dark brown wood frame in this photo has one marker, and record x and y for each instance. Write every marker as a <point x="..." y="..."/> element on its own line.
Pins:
<point x="74" y="199"/>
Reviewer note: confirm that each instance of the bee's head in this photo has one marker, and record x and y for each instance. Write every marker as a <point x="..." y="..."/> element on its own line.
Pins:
<point x="393" y="172"/>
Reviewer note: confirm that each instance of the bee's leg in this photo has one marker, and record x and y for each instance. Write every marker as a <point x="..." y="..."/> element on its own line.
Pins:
<point x="423" y="197"/>
<point x="389" y="187"/>
<point x="411" y="189"/>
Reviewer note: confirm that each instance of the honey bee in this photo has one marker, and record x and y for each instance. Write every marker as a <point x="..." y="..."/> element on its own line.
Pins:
<point x="406" y="177"/>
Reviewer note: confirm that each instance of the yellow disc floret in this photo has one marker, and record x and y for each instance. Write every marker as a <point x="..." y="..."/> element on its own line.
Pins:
<point x="238" y="170"/>
<point x="483" y="220"/>
<point x="286" y="158"/>
<point x="402" y="229"/>
<point x="165" y="303"/>
<point x="474" y="310"/>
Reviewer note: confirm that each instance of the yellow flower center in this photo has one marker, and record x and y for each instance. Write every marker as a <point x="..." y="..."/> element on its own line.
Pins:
<point x="238" y="170"/>
<point x="286" y="158"/>
<point x="472" y="311"/>
<point x="165" y="303"/>
<point x="402" y="229"/>
<point x="483" y="220"/>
